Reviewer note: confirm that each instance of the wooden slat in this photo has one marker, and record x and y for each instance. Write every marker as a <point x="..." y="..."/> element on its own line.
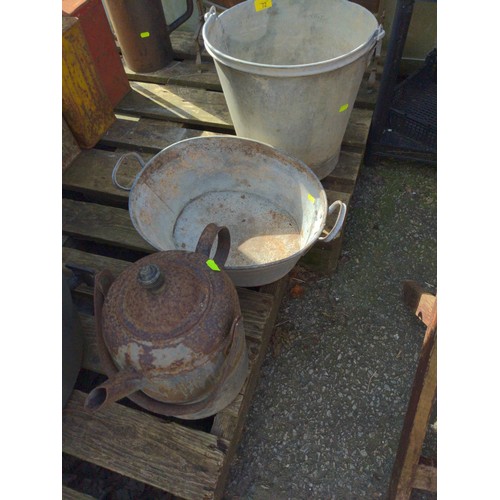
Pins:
<point x="177" y="103"/>
<point x="425" y="478"/>
<point x="345" y="174"/>
<point x="147" y="134"/>
<point x="357" y="130"/>
<point x="417" y="416"/>
<point x="91" y="360"/>
<point x="156" y="134"/>
<point x="102" y="224"/>
<point x="209" y="109"/>
<point x="420" y="302"/>
<point x="69" y="494"/>
<point x="185" y="73"/>
<point x="90" y="172"/>
<point x="167" y="455"/>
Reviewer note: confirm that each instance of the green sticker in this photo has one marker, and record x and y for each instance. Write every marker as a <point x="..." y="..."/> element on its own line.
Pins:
<point x="311" y="198"/>
<point x="144" y="34"/>
<point x="212" y="265"/>
<point x="343" y="108"/>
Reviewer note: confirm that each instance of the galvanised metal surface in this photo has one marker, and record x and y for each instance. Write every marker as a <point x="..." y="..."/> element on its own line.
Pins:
<point x="170" y="326"/>
<point x="290" y="71"/>
<point x="273" y="205"/>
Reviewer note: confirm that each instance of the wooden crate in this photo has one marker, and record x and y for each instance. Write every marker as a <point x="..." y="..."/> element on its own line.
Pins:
<point x="181" y="101"/>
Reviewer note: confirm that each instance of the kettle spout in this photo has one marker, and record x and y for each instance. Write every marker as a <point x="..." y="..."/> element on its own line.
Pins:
<point x="115" y="388"/>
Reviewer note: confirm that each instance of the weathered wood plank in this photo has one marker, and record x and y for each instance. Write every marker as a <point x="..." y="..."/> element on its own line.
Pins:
<point x="357" y="130"/>
<point x="177" y="103"/>
<point x="69" y="494"/>
<point x="185" y="73"/>
<point x="102" y="224"/>
<point x="147" y="134"/>
<point x="345" y="174"/>
<point x="167" y="455"/>
<point x="420" y="302"/>
<point x="417" y="416"/>
<point x="425" y="478"/>
<point x="209" y="109"/>
<point x="90" y="172"/>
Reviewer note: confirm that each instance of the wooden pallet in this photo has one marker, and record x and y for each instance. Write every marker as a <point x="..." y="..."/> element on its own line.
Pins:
<point x="175" y="103"/>
<point x="190" y="94"/>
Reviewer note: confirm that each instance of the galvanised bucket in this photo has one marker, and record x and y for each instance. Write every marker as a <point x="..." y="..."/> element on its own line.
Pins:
<point x="290" y="71"/>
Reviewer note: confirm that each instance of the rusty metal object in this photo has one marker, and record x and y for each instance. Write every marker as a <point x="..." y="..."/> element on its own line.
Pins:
<point x="273" y="204"/>
<point x="143" y="33"/>
<point x="169" y="332"/>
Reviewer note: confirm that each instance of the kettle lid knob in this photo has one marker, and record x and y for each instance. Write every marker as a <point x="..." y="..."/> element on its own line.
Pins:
<point x="150" y="276"/>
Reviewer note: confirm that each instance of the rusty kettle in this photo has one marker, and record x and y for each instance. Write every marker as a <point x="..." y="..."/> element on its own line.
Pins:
<point x="169" y="332"/>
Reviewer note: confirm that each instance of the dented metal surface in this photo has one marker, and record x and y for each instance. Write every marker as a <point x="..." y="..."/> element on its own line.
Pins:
<point x="273" y="205"/>
<point x="170" y="334"/>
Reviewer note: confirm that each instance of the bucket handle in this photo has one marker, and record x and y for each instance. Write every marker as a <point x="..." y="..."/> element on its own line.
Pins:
<point x="207" y="239"/>
<point x="211" y="12"/>
<point x="183" y="18"/>
<point x="335" y="231"/>
<point x="117" y="166"/>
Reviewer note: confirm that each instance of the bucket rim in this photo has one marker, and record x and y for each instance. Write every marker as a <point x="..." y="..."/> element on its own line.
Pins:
<point x="288" y="70"/>
<point x="313" y="238"/>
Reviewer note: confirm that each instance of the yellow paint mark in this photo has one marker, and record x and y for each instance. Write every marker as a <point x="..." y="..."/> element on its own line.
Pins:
<point x="212" y="265"/>
<point x="145" y="34"/>
<point x="343" y="108"/>
<point x="311" y="198"/>
<point x="262" y="4"/>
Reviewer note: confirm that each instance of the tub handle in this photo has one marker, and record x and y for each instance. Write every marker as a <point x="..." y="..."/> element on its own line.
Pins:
<point x="117" y="166"/>
<point x="380" y="33"/>
<point x="335" y="231"/>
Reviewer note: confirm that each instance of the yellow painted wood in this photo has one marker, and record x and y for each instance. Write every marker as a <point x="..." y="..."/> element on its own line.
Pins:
<point x="70" y="148"/>
<point x="85" y="105"/>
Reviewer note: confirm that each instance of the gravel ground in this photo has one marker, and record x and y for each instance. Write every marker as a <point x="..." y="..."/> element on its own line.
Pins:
<point x="327" y="414"/>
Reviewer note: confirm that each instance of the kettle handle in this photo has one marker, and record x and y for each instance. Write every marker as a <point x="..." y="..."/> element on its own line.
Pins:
<point x="206" y="242"/>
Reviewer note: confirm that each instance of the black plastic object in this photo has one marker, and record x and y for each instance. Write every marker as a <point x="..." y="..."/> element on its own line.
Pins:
<point x="404" y="122"/>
